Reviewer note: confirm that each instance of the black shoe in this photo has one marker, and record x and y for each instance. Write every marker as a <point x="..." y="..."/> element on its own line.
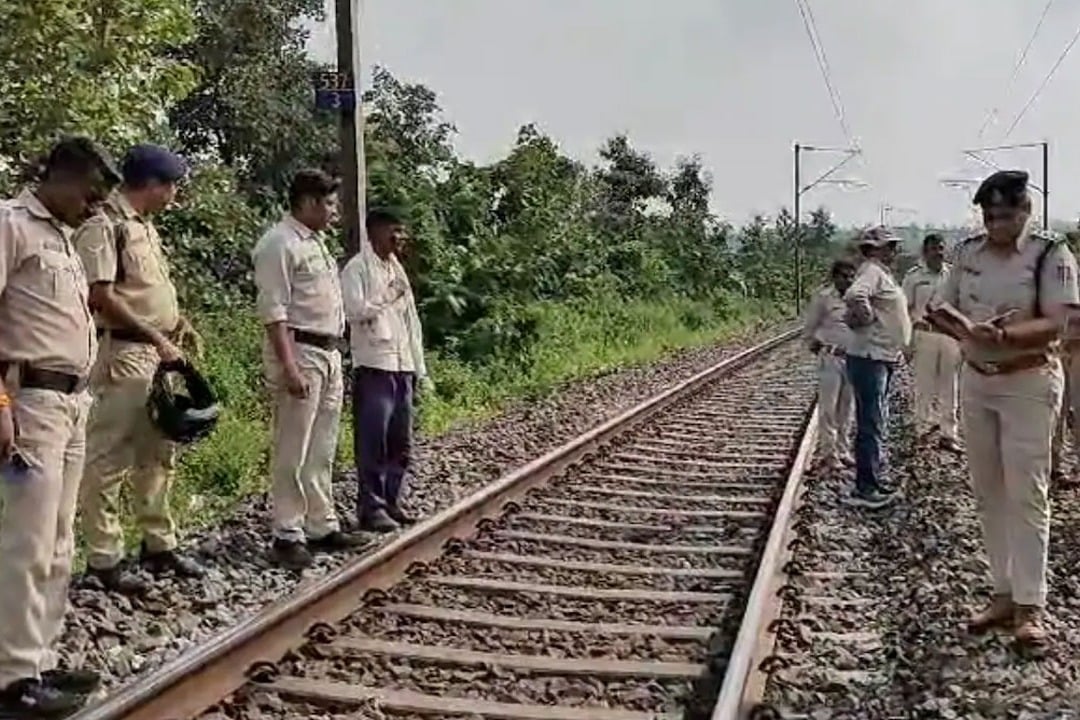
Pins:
<point x="871" y="500"/>
<point x="338" y="540"/>
<point x="379" y="522"/>
<point x="31" y="698"/>
<point x="181" y="565"/>
<point x="400" y="516"/>
<point x="118" y="580"/>
<point x="81" y="682"/>
<point x="291" y="554"/>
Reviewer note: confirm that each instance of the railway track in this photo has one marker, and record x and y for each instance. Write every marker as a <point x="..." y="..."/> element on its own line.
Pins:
<point x="604" y="581"/>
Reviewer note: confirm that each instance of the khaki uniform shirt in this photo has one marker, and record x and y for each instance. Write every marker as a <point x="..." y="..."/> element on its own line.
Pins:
<point x="984" y="283"/>
<point x="379" y="327"/>
<point x="297" y="280"/>
<point x="875" y="293"/>
<point x="44" y="318"/>
<point x="920" y="285"/>
<point x="825" y="319"/>
<point x="145" y="288"/>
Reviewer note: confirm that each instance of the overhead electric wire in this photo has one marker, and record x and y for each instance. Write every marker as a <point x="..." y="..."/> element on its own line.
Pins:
<point x="823" y="64"/>
<point x="1045" y="82"/>
<point x="1019" y="64"/>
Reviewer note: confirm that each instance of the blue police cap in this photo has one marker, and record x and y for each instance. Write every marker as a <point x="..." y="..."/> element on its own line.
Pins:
<point x="1006" y="188"/>
<point x="146" y="162"/>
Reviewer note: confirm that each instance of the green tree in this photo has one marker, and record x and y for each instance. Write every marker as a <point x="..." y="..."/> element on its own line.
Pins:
<point x="254" y="106"/>
<point x="105" y="69"/>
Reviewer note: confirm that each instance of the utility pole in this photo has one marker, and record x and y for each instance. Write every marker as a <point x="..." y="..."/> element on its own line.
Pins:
<point x="798" y="234"/>
<point x="799" y="189"/>
<point x="1046" y="184"/>
<point x="353" y="171"/>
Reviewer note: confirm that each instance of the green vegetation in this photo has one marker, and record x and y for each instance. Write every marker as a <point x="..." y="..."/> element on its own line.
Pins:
<point x="530" y="271"/>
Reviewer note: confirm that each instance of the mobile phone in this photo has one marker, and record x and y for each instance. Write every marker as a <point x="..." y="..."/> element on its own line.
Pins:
<point x="15" y="468"/>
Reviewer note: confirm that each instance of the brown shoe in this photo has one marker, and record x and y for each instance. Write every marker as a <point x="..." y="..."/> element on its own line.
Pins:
<point x="999" y="613"/>
<point x="1028" y="625"/>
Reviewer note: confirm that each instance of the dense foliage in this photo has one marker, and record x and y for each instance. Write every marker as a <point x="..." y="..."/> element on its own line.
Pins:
<point x="518" y="264"/>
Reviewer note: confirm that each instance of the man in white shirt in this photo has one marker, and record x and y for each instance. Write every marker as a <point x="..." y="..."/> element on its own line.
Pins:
<point x="388" y="361"/>
<point x="937" y="356"/>
<point x="828" y="336"/>
<point x="881" y="329"/>
<point x="299" y="301"/>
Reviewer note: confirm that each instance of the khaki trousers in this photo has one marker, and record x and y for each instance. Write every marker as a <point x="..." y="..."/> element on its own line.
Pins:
<point x="1008" y="423"/>
<point x="836" y="404"/>
<point x="305" y="437"/>
<point x="1070" y="409"/>
<point x="122" y="442"/>
<point x="37" y="539"/>
<point x="937" y="367"/>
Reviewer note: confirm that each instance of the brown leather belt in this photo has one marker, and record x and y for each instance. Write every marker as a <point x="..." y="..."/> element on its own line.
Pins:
<point x="323" y="342"/>
<point x="1007" y="367"/>
<point x="922" y="326"/>
<point x="833" y="350"/>
<point x="31" y="378"/>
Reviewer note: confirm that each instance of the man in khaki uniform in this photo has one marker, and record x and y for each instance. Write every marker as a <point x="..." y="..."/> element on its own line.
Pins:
<point x="828" y="336"/>
<point x="47" y="349"/>
<point x="1069" y="420"/>
<point x="937" y="356"/>
<point x="299" y="300"/>
<point x="1013" y="283"/>
<point x="138" y="315"/>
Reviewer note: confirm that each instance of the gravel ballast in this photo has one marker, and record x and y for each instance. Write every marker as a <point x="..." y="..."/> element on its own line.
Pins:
<point x="921" y="566"/>
<point x="123" y="638"/>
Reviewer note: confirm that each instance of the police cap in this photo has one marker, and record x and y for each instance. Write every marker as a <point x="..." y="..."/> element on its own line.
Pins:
<point x="146" y="162"/>
<point x="1006" y="188"/>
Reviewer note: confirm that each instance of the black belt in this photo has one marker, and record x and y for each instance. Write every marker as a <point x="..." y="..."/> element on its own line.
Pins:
<point x="323" y="342"/>
<point x="32" y="378"/>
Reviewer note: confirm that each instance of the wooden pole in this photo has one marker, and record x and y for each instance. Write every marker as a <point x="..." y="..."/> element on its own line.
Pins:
<point x="353" y="171"/>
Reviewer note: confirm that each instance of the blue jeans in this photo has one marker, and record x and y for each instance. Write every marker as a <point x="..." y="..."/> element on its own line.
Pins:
<point x="870" y="381"/>
<point x="382" y="436"/>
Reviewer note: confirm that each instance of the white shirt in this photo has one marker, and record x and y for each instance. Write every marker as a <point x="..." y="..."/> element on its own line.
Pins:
<point x="874" y="294"/>
<point x="377" y="299"/>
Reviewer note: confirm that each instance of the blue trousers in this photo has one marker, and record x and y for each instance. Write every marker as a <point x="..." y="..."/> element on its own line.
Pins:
<point x="870" y="382"/>
<point x="382" y="405"/>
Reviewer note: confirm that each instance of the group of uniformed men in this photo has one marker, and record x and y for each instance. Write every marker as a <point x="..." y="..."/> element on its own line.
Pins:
<point x="988" y="328"/>
<point x="88" y="313"/>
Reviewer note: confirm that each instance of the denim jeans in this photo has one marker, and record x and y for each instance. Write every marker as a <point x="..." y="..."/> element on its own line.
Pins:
<point x="870" y="382"/>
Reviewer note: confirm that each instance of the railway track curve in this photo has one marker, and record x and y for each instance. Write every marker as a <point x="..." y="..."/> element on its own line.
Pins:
<point x="630" y="574"/>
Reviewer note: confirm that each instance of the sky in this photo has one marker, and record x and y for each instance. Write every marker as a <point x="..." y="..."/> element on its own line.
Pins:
<point x="736" y="81"/>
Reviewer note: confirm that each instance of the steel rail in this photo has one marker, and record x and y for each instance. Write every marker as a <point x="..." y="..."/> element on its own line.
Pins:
<point x="743" y="684"/>
<point x="208" y="673"/>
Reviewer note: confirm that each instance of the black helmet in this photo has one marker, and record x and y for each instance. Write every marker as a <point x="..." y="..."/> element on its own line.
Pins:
<point x="182" y="418"/>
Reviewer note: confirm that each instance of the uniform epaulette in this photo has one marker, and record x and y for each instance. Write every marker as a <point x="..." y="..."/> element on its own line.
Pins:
<point x="1050" y="237"/>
